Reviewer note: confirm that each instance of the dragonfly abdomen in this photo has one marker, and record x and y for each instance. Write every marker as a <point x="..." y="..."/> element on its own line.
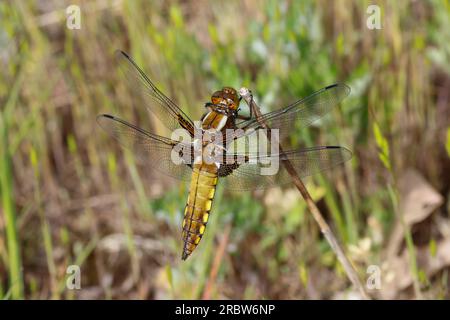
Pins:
<point x="198" y="206"/>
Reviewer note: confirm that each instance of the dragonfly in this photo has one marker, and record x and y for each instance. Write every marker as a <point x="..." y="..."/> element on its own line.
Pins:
<point x="240" y="168"/>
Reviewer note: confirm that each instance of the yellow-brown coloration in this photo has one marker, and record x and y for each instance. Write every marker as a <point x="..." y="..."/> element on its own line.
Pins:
<point x="185" y="124"/>
<point x="196" y="213"/>
<point x="227" y="96"/>
<point x="204" y="175"/>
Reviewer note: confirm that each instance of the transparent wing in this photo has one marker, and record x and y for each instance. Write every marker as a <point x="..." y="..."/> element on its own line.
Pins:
<point x="248" y="175"/>
<point x="154" y="150"/>
<point x="304" y="111"/>
<point x="156" y="102"/>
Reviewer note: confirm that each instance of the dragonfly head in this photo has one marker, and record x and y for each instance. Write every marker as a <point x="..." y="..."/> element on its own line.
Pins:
<point x="227" y="97"/>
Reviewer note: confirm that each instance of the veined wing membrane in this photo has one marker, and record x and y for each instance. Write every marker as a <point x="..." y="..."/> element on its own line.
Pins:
<point x="156" y="102"/>
<point x="154" y="150"/>
<point x="308" y="161"/>
<point x="304" y="111"/>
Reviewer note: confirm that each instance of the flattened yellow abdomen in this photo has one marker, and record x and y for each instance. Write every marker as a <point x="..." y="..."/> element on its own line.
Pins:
<point x="198" y="206"/>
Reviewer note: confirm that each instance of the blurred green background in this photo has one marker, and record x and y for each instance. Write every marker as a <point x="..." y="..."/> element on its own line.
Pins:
<point x="71" y="196"/>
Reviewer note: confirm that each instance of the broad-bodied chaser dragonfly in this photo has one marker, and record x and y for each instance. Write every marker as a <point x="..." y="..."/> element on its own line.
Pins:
<point x="242" y="170"/>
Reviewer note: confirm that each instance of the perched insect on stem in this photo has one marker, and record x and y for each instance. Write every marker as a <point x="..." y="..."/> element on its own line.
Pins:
<point x="232" y="155"/>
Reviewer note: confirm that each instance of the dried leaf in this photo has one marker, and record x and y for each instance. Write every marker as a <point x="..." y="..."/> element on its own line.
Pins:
<point x="397" y="274"/>
<point x="418" y="199"/>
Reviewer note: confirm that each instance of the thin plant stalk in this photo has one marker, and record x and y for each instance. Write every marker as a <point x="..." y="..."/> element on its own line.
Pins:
<point x="216" y="264"/>
<point x="6" y="187"/>
<point x="318" y="217"/>
<point x="45" y="229"/>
